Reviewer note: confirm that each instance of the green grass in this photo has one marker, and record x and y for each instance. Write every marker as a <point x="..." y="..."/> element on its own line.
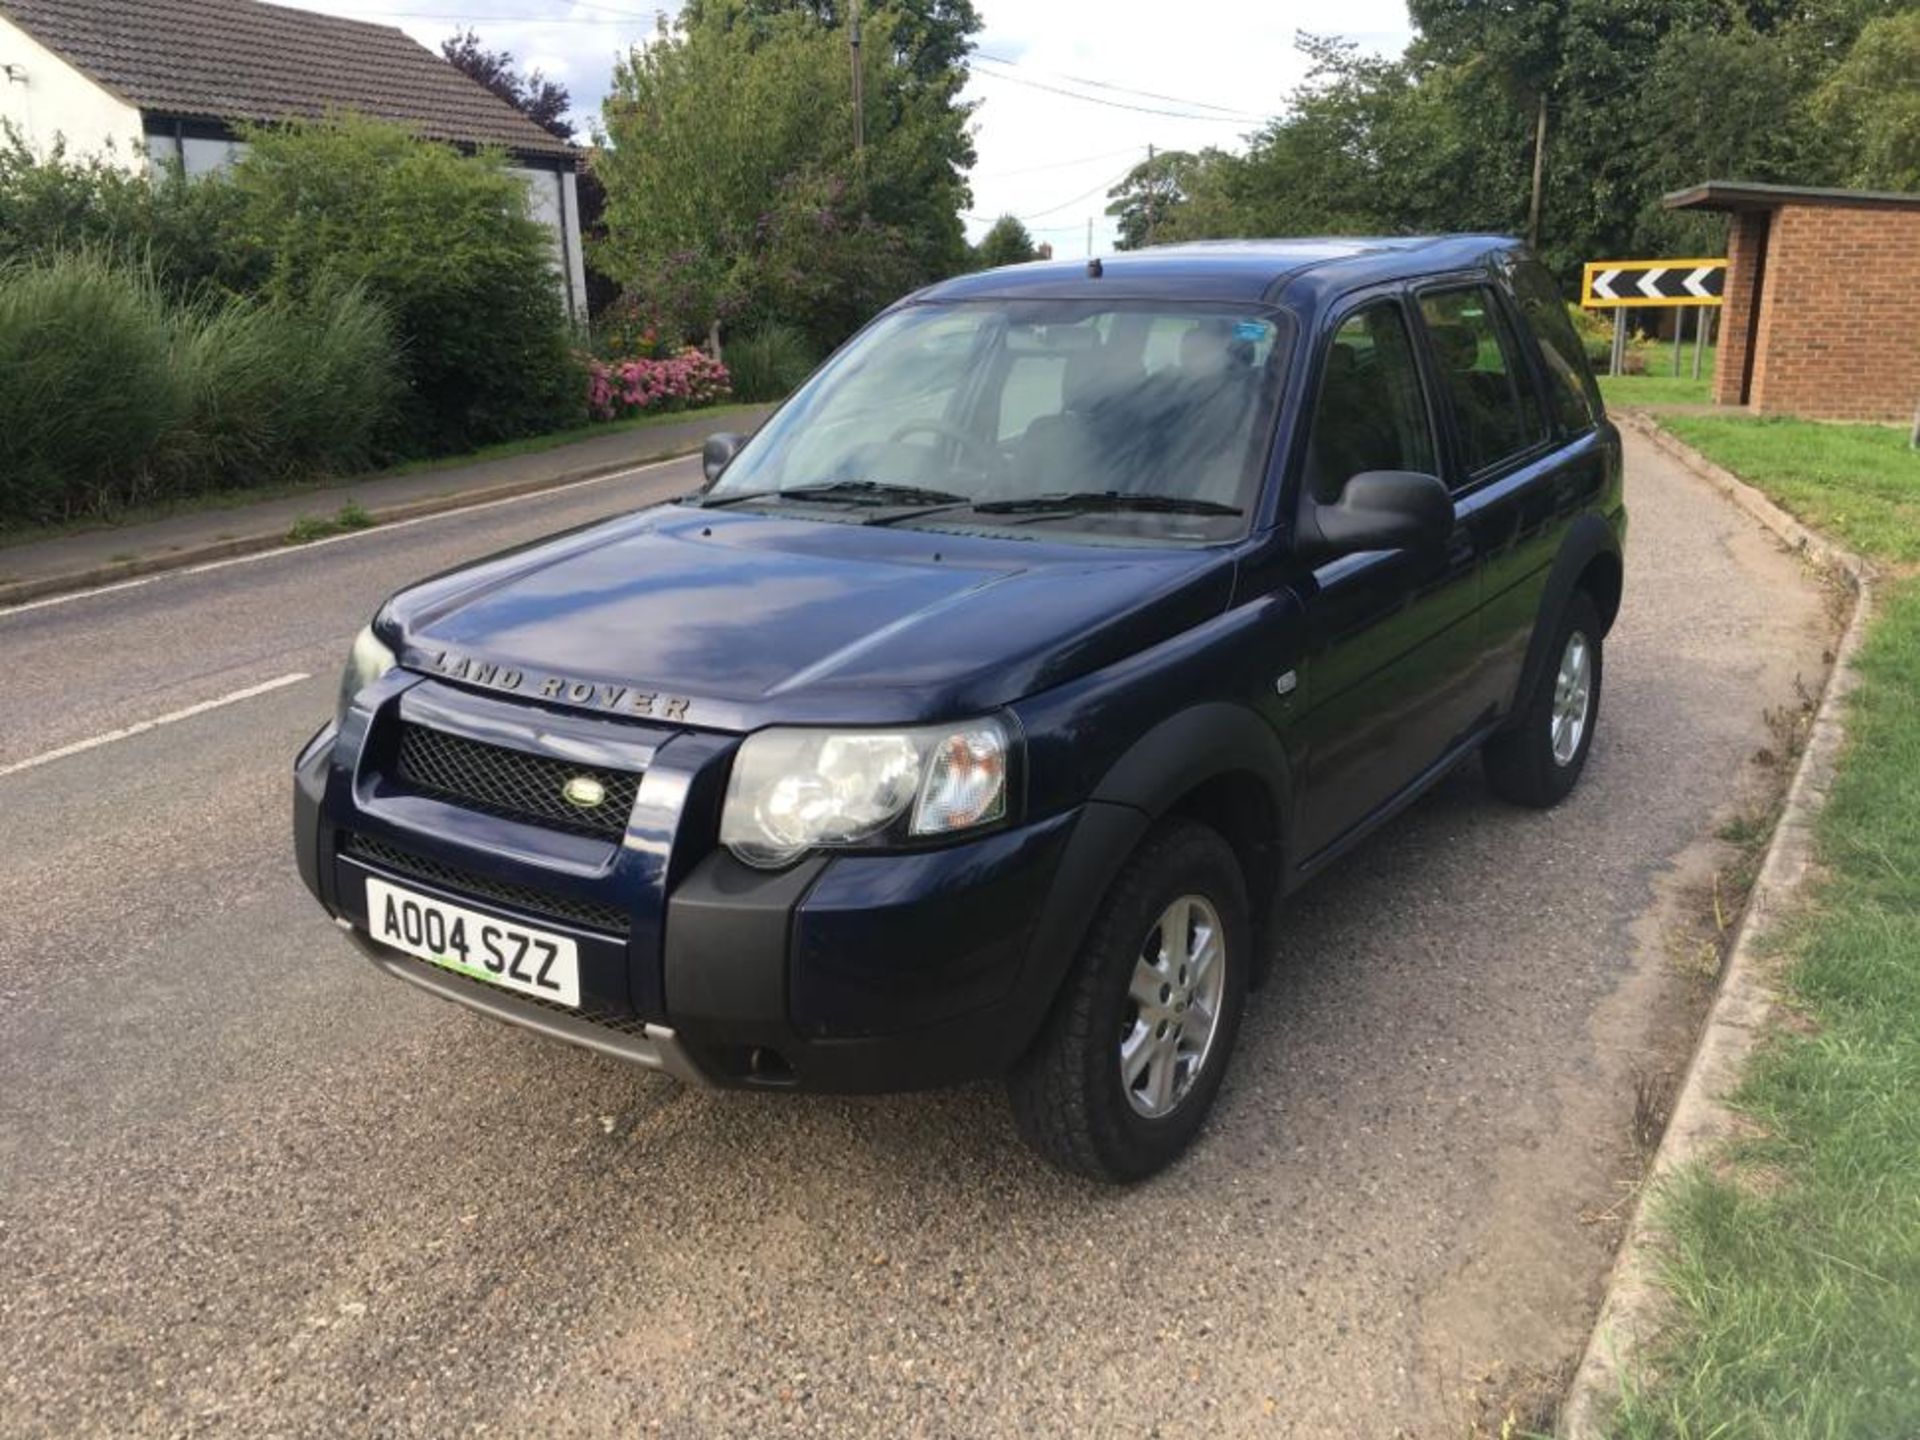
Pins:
<point x="350" y="516"/>
<point x="253" y="494"/>
<point x="1860" y="483"/>
<point x="1795" y="1266"/>
<point x="1659" y="385"/>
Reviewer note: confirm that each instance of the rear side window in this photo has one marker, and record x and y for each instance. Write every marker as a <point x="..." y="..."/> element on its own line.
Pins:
<point x="1494" y="407"/>
<point x="1372" y="414"/>
<point x="1572" y="393"/>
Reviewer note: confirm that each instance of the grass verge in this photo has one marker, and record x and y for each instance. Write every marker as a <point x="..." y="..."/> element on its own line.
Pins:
<point x="1659" y="385"/>
<point x="1794" y="1262"/>
<point x="230" y="499"/>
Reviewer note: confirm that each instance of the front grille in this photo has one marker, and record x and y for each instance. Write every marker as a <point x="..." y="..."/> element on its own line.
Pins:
<point x="591" y="914"/>
<point x="513" y="783"/>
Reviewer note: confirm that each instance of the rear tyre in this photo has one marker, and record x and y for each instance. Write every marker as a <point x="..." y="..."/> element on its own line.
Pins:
<point x="1537" y="760"/>
<point x="1126" y="1068"/>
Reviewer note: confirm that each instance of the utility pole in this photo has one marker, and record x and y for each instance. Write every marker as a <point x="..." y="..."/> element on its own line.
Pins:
<point x="1089" y="237"/>
<point x="859" y="80"/>
<point x="1539" y="173"/>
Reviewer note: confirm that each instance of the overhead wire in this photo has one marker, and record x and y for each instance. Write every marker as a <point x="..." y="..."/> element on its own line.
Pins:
<point x="1112" y="104"/>
<point x="1227" y="110"/>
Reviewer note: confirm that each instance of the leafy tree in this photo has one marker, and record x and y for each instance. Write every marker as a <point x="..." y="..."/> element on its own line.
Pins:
<point x="445" y="243"/>
<point x="1639" y="96"/>
<point x="1871" y="105"/>
<point x="733" y="122"/>
<point x="541" y="100"/>
<point x="1153" y="188"/>
<point x="1696" y="120"/>
<point x="1007" y="243"/>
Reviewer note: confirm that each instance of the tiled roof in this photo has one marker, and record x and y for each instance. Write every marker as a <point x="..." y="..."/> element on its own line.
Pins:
<point x="245" y="60"/>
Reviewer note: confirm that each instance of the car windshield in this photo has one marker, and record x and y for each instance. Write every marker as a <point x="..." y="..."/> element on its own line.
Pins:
<point x="1143" y="420"/>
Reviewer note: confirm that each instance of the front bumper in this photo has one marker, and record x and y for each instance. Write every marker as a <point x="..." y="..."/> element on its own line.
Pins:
<point x="849" y="973"/>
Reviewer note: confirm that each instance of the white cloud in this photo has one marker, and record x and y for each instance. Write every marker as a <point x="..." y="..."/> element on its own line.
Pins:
<point x="1045" y="157"/>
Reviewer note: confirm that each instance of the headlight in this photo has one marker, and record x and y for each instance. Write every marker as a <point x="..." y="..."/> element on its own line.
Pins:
<point x="366" y="663"/>
<point x="795" y="790"/>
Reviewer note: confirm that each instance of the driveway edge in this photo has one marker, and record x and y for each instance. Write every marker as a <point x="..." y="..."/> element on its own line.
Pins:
<point x="1630" y="1315"/>
<point x="14" y="592"/>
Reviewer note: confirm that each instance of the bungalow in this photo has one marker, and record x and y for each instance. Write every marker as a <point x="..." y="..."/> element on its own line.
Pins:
<point x="163" y="81"/>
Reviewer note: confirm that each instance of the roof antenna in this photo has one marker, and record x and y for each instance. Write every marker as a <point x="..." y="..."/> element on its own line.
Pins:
<point x="1094" y="269"/>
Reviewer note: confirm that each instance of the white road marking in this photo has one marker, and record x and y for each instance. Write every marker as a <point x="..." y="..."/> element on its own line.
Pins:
<point x="142" y="727"/>
<point x="380" y="529"/>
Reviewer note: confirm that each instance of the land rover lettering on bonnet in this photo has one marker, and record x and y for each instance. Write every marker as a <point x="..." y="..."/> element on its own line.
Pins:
<point x="981" y="712"/>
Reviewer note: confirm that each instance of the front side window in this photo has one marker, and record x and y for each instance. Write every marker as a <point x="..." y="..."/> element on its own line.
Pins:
<point x="1494" y="410"/>
<point x="1371" y="413"/>
<point x="1146" y="420"/>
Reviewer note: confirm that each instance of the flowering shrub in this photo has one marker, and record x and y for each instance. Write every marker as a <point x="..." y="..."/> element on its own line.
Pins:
<point x="624" y="388"/>
<point x="630" y="329"/>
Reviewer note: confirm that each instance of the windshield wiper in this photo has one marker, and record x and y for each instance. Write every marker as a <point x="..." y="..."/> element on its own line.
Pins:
<point x="1081" y="501"/>
<point x="850" y="492"/>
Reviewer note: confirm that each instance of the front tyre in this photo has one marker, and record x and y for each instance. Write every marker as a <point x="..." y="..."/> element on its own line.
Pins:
<point x="1123" y="1073"/>
<point x="1538" y="759"/>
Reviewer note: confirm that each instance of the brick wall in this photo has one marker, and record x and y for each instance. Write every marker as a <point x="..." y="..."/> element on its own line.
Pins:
<point x="1838" y="333"/>
<point x="1746" y="233"/>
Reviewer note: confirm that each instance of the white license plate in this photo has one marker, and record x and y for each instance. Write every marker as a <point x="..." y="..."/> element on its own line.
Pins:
<point x="515" y="957"/>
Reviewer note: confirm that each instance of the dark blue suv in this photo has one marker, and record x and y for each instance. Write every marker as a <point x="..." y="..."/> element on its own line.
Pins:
<point x="979" y="715"/>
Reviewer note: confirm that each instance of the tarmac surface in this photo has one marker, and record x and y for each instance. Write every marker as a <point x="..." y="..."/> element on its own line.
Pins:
<point x="249" y="1186"/>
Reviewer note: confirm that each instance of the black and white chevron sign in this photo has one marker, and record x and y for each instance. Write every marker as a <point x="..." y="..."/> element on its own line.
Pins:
<point x="1618" y="284"/>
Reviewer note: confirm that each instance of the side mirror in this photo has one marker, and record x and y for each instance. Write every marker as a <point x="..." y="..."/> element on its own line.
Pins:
<point x="719" y="451"/>
<point x="1377" y="510"/>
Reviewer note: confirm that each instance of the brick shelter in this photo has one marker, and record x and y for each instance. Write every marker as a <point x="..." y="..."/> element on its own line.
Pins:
<point x="1822" y="312"/>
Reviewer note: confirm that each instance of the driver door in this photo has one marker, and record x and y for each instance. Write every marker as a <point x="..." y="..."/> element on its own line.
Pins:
<point x="1390" y="634"/>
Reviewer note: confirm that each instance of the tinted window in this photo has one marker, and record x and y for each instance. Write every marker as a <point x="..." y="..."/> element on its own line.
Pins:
<point x="1371" y="414"/>
<point x="1492" y="398"/>
<point x="1572" y="394"/>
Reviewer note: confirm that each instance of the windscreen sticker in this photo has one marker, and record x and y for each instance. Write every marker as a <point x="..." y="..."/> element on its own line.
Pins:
<point x="1254" y="330"/>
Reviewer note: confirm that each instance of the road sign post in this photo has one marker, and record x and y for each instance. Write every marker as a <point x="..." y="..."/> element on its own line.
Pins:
<point x="1623" y="285"/>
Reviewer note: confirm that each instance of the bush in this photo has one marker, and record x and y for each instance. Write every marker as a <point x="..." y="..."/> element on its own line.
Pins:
<point x="770" y="363"/>
<point x="87" y="394"/>
<point x="648" y="387"/>
<point x="276" y="389"/>
<point x="631" y="329"/>
<point x="54" y="205"/>
<point x="445" y="242"/>
<point x="113" y="393"/>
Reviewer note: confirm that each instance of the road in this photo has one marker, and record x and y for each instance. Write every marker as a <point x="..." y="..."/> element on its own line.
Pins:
<point x="249" y="1186"/>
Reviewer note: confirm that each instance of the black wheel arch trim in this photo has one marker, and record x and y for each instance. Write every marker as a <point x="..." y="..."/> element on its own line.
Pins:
<point x="1199" y="744"/>
<point x="1168" y="763"/>
<point x="1589" y="538"/>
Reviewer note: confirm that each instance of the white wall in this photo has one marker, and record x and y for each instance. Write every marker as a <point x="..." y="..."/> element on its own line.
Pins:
<point x="555" y="201"/>
<point x="46" y="99"/>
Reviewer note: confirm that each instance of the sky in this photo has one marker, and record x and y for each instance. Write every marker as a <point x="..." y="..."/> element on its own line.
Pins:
<point x="1212" y="69"/>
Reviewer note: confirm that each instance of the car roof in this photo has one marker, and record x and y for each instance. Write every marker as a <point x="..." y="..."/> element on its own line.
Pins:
<point x="1253" y="271"/>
